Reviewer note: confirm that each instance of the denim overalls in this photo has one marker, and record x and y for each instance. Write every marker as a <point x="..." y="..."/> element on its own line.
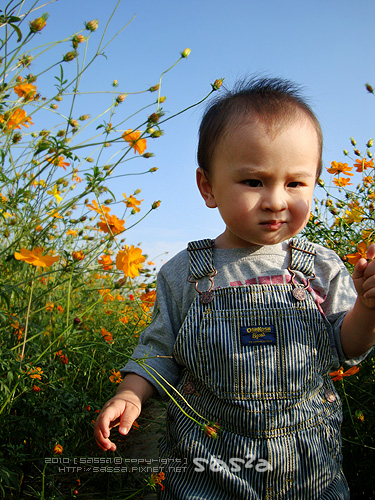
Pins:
<point x="256" y="360"/>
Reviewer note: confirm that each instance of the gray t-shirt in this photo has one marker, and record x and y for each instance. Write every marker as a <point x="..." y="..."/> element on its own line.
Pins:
<point x="333" y="291"/>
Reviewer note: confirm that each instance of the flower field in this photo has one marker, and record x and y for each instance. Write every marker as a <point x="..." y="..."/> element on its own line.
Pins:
<point x="76" y="291"/>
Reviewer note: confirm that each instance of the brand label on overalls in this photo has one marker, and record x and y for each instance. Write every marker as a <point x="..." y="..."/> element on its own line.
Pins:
<point x="256" y="335"/>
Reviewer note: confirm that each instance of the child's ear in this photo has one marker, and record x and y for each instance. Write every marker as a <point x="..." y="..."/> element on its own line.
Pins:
<point x="205" y="188"/>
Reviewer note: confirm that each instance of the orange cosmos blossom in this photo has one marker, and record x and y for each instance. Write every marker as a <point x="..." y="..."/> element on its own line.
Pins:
<point x="130" y="260"/>
<point x="106" y="335"/>
<point x="361" y="253"/>
<point x="133" y="138"/>
<point x="339" y="374"/>
<point x="148" y="300"/>
<point x="363" y="164"/>
<point x="58" y="161"/>
<point x="111" y="224"/>
<point x="77" y="256"/>
<point x="100" y="210"/>
<point x="106" y="262"/>
<point x="15" y="119"/>
<point x="57" y="449"/>
<point x="339" y="168"/>
<point x="35" y="257"/>
<point x="156" y="479"/>
<point x="132" y="202"/>
<point x="342" y="181"/>
<point x="35" y="373"/>
<point x="115" y="378"/>
<point x="25" y="90"/>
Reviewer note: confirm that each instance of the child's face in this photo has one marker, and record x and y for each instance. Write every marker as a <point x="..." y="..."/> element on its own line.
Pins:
<point x="262" y="182"/>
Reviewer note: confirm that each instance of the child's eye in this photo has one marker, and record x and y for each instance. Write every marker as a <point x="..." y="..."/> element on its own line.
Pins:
<point x="253" y="183"/>
<point x="294" y="184"/>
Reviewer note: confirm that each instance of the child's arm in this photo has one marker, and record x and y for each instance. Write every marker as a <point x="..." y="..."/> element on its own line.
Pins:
<point x="122" y="409"/>
<point x="358" y="327"/>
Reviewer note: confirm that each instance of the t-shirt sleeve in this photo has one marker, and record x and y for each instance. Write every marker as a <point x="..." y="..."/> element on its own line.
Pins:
<point x="340" y="299"/>
<point x="157" y="341"/>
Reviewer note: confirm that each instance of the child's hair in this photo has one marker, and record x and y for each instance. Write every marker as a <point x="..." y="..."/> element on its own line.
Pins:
<point x="273" y="100"/>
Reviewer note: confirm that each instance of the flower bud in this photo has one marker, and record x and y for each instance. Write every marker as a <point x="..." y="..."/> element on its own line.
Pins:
<point x="38" y="24"/>
<point x="16" y="138"/>
<point x="69" y="56"/>
<point x="120" y="98"/>
<point x="217" y="84"/>
<point x="77" y="39"/>
<point x="53" y="106"/>
<point x="114" y="83"/>
<point x="153" y="169"/>
<point x="357" y="152"/>
<point x="370" y="143"/>
<point x="320" y="182"/>
<point x="185" y="52"/>
<point x="162" y="99"/>
<point x="369" y="154"/>
<point x="77" y="321"/>
<point x="345" y="152"/>
<point x="156" y="205"/>
<point x="157" y="133"/>
<point x="148" y="155"/>
<point x="154" y="88"/>
<point x="369" y="88"/>
<point x="82" y="118"/>
<point x="352" y="140"/>
<point x="92" y="25"/>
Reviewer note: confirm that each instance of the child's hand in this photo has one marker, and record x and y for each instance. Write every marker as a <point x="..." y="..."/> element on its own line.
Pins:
<point x="121" y="410"/>
<point x="364" y="278"/>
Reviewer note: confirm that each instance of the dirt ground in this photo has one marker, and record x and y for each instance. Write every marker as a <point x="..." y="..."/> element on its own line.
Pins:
<point x="142" y="444"/>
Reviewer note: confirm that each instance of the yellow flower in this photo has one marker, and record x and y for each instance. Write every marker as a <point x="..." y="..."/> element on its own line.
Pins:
<point x="148" y="300"/>
<point x="339" y="168"/>
<point x="361" y="253"/>
<point x="115" y="378"/>
<point x="133" y="138"/>
<point x="130" y="260"/>
<point x="107" y="295"/>
<point x="15" y="119"/>
<point x="56" y="193"/>
<point x="50" y="306"/>
<point x="71" y="232"/>
<point x="354" y="214"/>
<point x="132" y="202"/>
<point x="35" y="257"/>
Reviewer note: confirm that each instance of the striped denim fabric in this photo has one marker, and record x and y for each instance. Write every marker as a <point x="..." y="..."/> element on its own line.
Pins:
<point x="256" y="360"/>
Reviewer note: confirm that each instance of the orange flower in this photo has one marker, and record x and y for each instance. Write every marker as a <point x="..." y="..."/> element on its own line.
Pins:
<point x="354" y="214"/>
<point x="106" y="262"/>
<point x="35" y="257"/>
<point x="361" y="253"/>
<point x="107" y="295"/>
<point x="148" y="300"/>
<point x="25" y="90"/>
<point x="124" y="319"/>
<point x="133" y="138"/>
<point x="363" y="164"/>
<point x="60" y="309"/>
<point x="106" y="335"/>
<point x="115" y="378"/>
<point x="339" y="168"/>
<point x="367" y="180"/>
<point x="156" y="479"/>
<point x="77" y="256"/>
<point x="130" y="261"/>
<point x="339" y="374"/>
<point x="135" y="425"/>
<point x="111" y="224"/>
<point x="36" y="388"/>
<point x="63" y="358"/>
<point x="58" y="161"/>
<point x="15" y="119"/>
<point x="132" y="202"/>
<point x="50" y="306"/>
<point x="342" y="181"/>
<point x="35" y="373"/>
<point x="211" y="429"/>
<point x="102" y="209"/>
<point x="71" y="232"/>
<point x="57" y="449"/>
<point x="18" y="331"/>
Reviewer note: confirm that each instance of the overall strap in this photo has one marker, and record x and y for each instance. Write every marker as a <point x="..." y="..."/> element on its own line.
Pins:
<point x="201" y="258"/>
<point x="303" y="254"/>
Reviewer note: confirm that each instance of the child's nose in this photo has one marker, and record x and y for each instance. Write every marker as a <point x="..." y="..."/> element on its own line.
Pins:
<point x="274" y="200"/>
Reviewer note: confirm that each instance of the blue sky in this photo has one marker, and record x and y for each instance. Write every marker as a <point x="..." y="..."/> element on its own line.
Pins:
<point x="324" y="45"/>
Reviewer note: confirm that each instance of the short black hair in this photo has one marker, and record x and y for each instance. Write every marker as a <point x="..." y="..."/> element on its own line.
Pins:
<point x="273" y="100"/>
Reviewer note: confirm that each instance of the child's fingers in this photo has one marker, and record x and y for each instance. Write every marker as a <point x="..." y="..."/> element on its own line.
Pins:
<point x="371" y="251"/>
<point x="131" y="412"/>
<point x="359" y="269"/>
